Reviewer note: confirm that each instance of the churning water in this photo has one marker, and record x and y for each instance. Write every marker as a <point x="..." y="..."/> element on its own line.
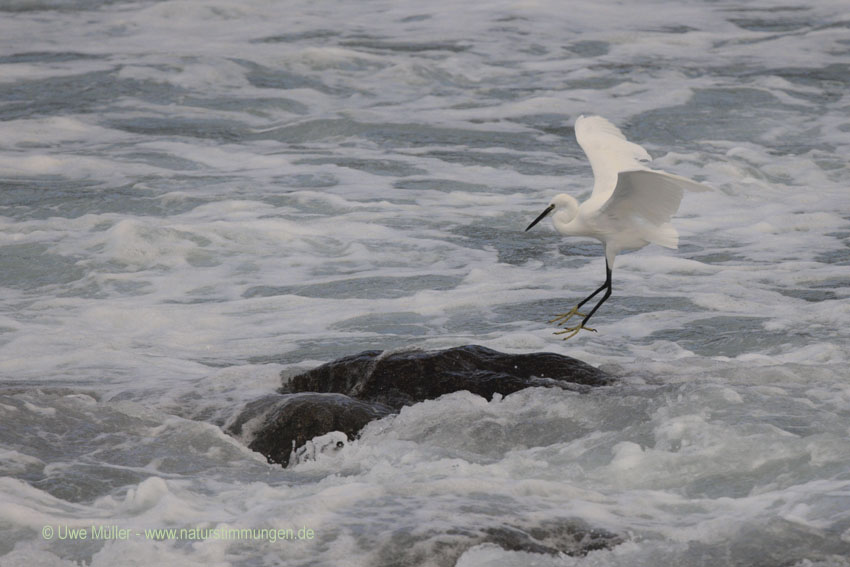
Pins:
<point x="196" y="196"/>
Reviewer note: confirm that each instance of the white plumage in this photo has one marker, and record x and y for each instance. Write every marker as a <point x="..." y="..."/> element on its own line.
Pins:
<point x="631" y="205"/>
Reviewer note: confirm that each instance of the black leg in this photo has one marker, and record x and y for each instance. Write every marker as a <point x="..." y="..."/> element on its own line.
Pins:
<point x="564" y="317"/>
<point x="573" y="331"/>
<point x="607" y="287"/>
<point x="603" y="286"/>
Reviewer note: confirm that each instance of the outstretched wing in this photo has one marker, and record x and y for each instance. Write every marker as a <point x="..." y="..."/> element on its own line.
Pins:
<point x="652" y="196"/>
<point x="609" y="153"/>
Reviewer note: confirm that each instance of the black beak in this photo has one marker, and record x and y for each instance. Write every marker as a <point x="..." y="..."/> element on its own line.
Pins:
<point x="541" y="217"/>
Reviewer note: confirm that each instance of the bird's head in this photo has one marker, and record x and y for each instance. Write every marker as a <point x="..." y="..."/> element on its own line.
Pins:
<point x="564" y="206"/>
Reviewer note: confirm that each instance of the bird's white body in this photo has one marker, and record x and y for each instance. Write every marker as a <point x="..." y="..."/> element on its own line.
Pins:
<point x="631" y="205"/>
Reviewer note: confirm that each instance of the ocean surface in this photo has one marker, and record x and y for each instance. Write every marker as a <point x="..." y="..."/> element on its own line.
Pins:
<point x="199" y="195"/>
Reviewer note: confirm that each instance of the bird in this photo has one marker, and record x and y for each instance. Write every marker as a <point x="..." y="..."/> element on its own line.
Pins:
<point x="630" y="206"/>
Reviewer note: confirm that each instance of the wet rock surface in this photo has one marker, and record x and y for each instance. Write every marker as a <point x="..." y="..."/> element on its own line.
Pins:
<point x="278" y="425"/>
<point x="556" y="536"/>
<point x="397" y="379"/>
<point x="346" y="394"/>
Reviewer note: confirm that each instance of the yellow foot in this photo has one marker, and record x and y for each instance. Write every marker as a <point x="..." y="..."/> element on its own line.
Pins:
<point x="573" y="331"/>
<point x="564" y="317"/>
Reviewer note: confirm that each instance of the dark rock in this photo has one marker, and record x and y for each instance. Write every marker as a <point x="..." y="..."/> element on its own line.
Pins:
<point x="572" y="537"/>
<point x="402" y="378"/>
<point x="556" y="536"/>
<point x="278" y="425"/>
<point x="346" y="394"/>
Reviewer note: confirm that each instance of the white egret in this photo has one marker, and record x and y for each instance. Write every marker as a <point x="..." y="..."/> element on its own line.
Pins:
<point x="630" y="206"/>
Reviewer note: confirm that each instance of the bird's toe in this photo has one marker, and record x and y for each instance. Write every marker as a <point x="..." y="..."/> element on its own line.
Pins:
<point x="570" y="332"/>
<point x="564" y="317"/>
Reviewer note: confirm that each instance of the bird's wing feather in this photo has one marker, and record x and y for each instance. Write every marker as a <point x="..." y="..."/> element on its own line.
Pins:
<point x="608" y="152"/>
<point x="653" y="196"/>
